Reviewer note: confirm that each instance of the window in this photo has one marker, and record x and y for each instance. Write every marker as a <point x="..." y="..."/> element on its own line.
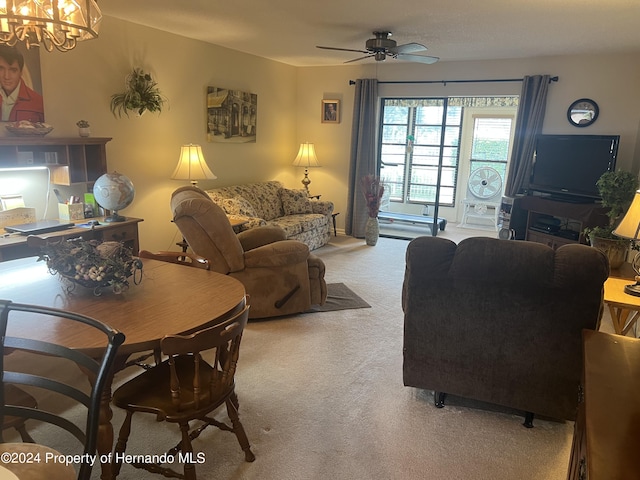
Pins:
<point x="490" y="145"/>
<point x="419" y="149"/>
<point x="420" y="145"/>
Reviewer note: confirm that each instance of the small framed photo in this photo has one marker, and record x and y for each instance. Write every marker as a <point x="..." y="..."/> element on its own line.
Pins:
<point x="330" y="111"/>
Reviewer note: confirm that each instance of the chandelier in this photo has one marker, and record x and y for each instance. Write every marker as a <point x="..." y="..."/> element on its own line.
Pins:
<point x="48" y="23"/>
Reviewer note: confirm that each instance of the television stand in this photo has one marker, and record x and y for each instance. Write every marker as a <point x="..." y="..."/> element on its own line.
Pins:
<point x="569" y="217"/>
<point x="571" y="199"/>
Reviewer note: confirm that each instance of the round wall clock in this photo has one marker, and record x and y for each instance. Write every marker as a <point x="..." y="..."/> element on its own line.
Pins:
<point x="583" y="112"/>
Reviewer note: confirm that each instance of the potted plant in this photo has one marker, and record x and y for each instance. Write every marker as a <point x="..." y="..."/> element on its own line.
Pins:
<point x="83" y="128"/>
<point x="617" y="189"/>
<point x="141" y="94"/>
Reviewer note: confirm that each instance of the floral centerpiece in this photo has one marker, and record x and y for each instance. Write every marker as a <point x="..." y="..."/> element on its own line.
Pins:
<point x="92" y="264"/>
<point x="373" y="189"/>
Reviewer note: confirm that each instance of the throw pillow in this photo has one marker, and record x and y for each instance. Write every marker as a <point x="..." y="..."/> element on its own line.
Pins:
<point x="216" y="196"/>
<point x="295" y="201"/>
<point x="238" y="206"/>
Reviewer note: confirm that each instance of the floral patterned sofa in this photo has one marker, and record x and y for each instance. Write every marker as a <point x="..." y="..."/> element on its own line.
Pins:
<point x="269" y="203"/>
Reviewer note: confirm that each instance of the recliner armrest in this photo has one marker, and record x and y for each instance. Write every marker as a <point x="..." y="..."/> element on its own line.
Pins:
<point x="277" y="254"/>
<point x="257" y="237"/>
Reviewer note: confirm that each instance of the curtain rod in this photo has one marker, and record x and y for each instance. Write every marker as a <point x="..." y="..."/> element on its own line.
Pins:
<point x="444" y="82"/>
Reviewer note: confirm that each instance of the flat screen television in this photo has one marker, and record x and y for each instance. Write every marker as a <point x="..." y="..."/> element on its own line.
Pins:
<point x="568" y="166"/>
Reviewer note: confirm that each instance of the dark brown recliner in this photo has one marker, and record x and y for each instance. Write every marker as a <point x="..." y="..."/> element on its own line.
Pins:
<point x="500" y="321"/>
<point x="280" y="275"/>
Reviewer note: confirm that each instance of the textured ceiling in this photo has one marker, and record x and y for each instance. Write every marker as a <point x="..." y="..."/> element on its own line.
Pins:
<point x="289" y="30"/>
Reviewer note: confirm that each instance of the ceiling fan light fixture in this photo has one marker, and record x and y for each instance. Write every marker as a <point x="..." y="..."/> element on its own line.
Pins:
<point x="380" y="47"/>
<point x="381" y="43"/>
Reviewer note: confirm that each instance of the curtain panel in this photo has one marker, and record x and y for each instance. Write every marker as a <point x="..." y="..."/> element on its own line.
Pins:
<point x="363" y="158"/>
<point x="533" y="101"/>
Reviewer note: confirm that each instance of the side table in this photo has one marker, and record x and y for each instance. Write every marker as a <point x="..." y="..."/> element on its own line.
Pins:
<point x="333" y="217"/>
<point x="624" y="308"/>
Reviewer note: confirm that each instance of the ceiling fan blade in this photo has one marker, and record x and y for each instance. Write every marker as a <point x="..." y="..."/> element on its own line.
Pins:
<point x="359" y="58"/>
<point x="342" y="49"/>
<point x="408" y="48"/>
<point x="416" y="58"/>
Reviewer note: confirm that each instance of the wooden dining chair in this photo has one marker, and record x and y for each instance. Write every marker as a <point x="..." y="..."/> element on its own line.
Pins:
<point x="181" y="258"/>
<point x="18" y="322"/>
<point x="185" y="387"/>
<point x="17" y="396"/>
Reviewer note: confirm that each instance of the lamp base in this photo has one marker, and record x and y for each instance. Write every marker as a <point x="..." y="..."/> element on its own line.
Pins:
<point x="306" y="180"/>
<point x="632" y="289"/>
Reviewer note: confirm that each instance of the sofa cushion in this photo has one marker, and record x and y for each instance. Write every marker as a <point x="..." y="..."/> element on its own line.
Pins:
<point x="238" y="205"/>
<point x="217" y="196"/>
<point x="295" y="202"/>
<point x="295" y="224"/>
<point x="262" y="195"/>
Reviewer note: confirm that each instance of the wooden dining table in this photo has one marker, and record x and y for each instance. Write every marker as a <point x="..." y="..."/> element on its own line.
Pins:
<point x="170" y="299"/>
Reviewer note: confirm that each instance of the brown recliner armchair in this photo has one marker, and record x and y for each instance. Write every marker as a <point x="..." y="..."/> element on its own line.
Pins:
<point x="280" y="275"/>
<point x="500" y="321"/>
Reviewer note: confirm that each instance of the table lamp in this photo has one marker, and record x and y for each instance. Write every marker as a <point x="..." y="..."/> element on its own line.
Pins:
<point x="192" y="166"/>
<point x="630" y="228"/>
<point x="306" y="158"/>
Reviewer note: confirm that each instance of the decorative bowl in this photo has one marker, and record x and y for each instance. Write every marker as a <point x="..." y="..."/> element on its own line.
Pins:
<point x="92" y="264"/>
<point x="28" y="131"/>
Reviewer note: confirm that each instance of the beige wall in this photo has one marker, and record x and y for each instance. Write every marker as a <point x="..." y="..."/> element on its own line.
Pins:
<point x="611" y="80"/>
<point x="79" y="84"/>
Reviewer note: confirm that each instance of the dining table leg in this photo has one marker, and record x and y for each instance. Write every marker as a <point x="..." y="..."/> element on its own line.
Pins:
<point x="104" y="444"/>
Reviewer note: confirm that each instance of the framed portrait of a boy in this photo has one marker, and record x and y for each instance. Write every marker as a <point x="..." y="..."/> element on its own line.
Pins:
<point x="330" y="111"/>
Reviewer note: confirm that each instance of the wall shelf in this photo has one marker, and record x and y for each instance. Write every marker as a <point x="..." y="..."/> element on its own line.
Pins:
<point x="71" y="160"/>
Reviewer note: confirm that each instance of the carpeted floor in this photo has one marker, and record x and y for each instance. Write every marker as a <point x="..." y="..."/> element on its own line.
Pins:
<point x="321" y="397"/>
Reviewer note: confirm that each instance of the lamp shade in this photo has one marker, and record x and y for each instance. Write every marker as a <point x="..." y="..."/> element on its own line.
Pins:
<point x="306" y="156"/>
<point x="630" y="225"/>
<point x="192" y="166"/>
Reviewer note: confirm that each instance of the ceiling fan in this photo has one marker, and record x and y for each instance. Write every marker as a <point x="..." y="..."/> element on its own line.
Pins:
<point x="382" y="47"/>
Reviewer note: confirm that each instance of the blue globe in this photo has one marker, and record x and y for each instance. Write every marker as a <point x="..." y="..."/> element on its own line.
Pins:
<point x="114" y="192"/>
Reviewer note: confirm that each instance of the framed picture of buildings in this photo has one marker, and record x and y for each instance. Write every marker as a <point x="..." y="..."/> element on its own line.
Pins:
<point x="231" y="115"/>
<point x="330" y="111"/>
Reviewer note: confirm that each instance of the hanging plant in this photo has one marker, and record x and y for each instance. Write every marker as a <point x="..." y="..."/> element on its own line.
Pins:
<point x="141" y="94"/>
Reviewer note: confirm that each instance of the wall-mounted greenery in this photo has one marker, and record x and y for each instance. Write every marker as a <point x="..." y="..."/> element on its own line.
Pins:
<point x="141" y="94"/>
